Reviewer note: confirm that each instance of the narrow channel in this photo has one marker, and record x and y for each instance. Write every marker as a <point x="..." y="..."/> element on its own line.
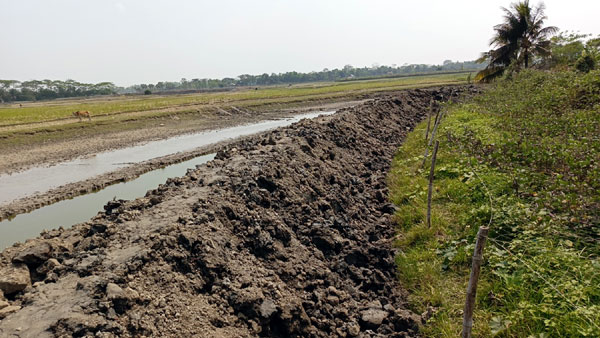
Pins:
<point x="81" y="208"/>
<point x="66" y="213"/>
<point x="41" y="179"/>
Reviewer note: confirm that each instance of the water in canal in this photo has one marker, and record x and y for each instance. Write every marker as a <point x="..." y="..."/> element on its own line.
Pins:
<point x="41" y="179"/>
<point x="81" y="208"/>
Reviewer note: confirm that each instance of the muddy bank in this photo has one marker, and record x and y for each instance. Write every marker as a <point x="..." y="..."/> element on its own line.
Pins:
<point x="286" y="234"/>
<point x="96" y="183"/>
<point x="18" y="159"/>
<point x="71" y="190"/>
<point x="43" y="145"/>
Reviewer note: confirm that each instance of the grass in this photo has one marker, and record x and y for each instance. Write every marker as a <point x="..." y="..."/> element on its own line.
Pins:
<point x="532" y="145"/>
<point x="54" y="110"/>
<point x="395" y="76"/>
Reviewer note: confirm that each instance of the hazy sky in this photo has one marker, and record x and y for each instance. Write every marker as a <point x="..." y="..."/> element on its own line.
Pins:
<point x="141" y="41"/>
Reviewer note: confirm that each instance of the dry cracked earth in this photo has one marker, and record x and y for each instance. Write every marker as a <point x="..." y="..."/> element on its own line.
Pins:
<point x="286" y="234"/>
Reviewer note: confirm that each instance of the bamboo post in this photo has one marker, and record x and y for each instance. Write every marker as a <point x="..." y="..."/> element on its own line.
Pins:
<point x="473" y="280"/>
<point x="429" y="120"/>
<point x="429" y="193"/>
<point x="435" y="122"/>
<point x="438" y="119"/>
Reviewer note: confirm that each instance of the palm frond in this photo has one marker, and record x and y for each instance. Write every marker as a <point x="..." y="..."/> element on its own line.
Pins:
<point x="547" y="31"/>
<point x="489" y="73"/>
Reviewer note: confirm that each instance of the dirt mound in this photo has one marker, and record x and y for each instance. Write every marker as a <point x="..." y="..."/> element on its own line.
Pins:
<point x="288" y="234"/>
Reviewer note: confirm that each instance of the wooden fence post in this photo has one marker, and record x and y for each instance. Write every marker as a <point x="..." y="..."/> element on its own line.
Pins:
<point x="473" y="280"/>
<point x="437" y="123"/>
<point x="429" y="120"/>
<point x="438" y="119"/>
<point x="433" y="156"/>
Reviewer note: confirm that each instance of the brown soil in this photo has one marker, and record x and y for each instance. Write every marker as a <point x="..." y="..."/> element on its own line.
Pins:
<point x="286" y="234"/>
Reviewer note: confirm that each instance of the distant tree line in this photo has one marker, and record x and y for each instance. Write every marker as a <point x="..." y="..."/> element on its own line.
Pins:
<point x="574" y="50"/>
<point x="12" y="90"/>
<point x="347" y="72"/>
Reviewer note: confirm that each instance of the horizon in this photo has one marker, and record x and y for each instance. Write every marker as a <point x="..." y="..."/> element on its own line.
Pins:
<point x="237" y="77"/>
<point x="132" y="42"/>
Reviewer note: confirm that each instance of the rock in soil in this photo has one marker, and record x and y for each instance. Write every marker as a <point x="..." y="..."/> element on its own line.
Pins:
<point x="288" y="235"/>
<point x="34" y="254"/>
<point x="3" y="302"/>
<point x="14" y="278"/>
<point x="5" y="311"/>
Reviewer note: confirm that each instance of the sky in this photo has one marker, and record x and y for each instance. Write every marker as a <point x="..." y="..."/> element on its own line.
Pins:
<point x="146" y="41"/>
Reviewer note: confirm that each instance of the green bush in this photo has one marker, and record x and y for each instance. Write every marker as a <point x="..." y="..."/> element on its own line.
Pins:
<point x="585" y="63"/>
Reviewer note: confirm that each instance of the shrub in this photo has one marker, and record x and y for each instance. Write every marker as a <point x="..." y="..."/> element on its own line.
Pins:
<point x="585" y="63"/>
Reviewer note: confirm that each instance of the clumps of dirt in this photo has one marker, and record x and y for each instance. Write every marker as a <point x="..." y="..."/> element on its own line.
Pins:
<point x="287" y="234"/>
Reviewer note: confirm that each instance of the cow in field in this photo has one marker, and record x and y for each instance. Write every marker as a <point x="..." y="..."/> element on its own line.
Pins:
<point x="82" y="113"/>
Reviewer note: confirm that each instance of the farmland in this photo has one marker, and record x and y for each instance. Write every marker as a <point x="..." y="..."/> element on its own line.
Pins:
<point x="103" y="107"/>
<point x="47" y="132"/>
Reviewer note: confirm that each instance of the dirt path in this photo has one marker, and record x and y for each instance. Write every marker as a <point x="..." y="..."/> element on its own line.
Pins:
<point x="287" y="234"/>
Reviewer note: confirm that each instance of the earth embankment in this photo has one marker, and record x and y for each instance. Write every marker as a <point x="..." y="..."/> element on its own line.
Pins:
<point x="288" y="233"/>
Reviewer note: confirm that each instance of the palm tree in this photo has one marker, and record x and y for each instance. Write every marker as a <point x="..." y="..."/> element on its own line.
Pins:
<point x="518" y="39"/>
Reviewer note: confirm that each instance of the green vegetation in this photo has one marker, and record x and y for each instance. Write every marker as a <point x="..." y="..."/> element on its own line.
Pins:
<point x="12" y="90"/>
<point x="526" y="154"/>
<point x="383" y="77"/>
<point x="326" y="75"/>
<point x="573" y="50"/>
<point x="518" y="40"/>
<point x="109" y="106"/>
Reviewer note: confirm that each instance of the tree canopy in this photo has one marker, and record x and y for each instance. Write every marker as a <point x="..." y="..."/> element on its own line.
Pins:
<point x="12" y="90"/>
<point x="518" y="40"/>
<point x="574" y="50"/>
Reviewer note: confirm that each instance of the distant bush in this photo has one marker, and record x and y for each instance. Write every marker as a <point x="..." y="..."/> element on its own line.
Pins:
<point x="574" y="50"/>
<point x="147" y="92"/>
<point x="585" y="63"/>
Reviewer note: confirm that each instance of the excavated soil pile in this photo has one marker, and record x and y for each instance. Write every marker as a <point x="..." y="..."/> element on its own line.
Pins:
<point x="288" y="234"/>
